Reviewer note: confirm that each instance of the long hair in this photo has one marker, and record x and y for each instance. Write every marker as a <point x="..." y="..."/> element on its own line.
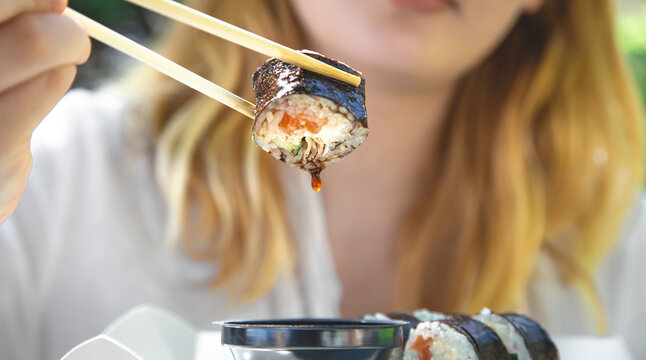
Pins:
<point x="540" y="151"/>
<point x="225" y="201"/>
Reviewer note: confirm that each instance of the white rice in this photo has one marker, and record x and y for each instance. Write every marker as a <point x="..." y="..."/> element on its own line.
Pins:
<point x="508" y="334"/>
<point x="341" y="134"/>
<point x="426" y="315"/>
<point x="447" y="343"/>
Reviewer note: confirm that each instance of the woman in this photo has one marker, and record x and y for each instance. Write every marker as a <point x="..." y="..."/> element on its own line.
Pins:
<point x="503" y="166"/>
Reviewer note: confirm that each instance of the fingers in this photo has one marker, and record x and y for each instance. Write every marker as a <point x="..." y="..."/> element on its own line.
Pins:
<point x="34" y="43"/>
<point x="58" y="5"/>
<point x="14" y="175"/>
<point x="38" y="50"/>
<point x="12" y="8"/>
<point x="22" y="111"/>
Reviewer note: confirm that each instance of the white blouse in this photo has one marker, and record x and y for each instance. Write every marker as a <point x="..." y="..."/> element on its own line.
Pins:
<point x="86" y="243"/>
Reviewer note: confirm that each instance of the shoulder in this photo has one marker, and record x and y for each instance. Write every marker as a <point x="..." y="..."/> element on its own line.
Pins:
<point x="81" y="115"/>
<point x="82" y="174"/>
<point x="77" y="149"/>
<point x="625" y="262"/>
<point x="636" y="225"/>
<point x="84" y="136"/>
<point x="622" y="273"/>
<point x="621" y="279"/>
<point x="631" y="247"/>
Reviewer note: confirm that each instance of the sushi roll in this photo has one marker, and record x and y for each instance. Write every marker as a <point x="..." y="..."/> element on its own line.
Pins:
<point x="434" y="335"/>
<point x="305" y="119"/>
<point x="521" y="335"/>
<point x="456" y="337"/>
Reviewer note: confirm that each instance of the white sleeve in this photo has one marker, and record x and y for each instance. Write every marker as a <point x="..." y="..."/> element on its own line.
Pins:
<point x="20" y="277"/>
<point x="27" y="250"/>
<point x="622" y="282"/>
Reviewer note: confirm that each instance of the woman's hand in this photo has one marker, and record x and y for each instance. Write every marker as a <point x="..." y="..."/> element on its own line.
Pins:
<point x="39" y="51"/>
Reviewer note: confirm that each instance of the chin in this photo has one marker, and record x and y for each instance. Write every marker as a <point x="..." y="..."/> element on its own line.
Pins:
<point x="390" y="44"/>
<point x="395" y="52"/>
<point x="399" y="64"/>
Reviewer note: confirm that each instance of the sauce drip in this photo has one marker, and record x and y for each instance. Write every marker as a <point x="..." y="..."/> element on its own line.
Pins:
<point x="316" y="181"/>
<point x="291" y="123"/>
<point x="422" y="347"/>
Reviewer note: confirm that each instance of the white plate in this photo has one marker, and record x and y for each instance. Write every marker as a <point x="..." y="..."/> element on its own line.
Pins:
<point x="101" y="348"/>
<point x="210" y="348"/>
<point x="154" y="333"/>
<point x="572" y="347"/>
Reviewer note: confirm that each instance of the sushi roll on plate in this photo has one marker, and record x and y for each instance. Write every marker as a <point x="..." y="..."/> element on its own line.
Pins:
<point x="522" y="336"/>
<point x="487" y="335"/>
<point x="305" y="119"/>
<point x="456" y="337"/>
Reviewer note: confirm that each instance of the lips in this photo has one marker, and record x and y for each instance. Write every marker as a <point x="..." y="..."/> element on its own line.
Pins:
<point x="426" y="5"/>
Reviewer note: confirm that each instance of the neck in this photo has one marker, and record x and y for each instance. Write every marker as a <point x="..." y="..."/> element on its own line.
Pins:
<point x="403" y="123"/>
<point x="368" y="193"/>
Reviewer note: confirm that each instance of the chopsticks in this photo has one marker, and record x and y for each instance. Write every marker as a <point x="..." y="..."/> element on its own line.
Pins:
<point x="161" y="64"/>
<point x="198" y="20"/>
<point x="224" y="30"/>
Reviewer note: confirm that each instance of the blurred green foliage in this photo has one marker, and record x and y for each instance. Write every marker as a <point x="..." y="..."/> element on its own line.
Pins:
<point x="112" y="13"/>
<point x="632" y="38"/>
<point x="123" y="17"/>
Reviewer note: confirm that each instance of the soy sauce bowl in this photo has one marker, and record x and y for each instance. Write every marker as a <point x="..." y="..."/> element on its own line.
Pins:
<point x="312" y="339"/>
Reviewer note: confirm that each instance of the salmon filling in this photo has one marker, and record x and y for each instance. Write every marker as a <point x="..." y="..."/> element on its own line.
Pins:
<point x="291" y="123"/>
<point x="307" y="131"/>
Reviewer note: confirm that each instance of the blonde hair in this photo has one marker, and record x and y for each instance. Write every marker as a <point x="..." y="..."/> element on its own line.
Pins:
<point x="225" y="201"/>
<point x="541" y="150"/>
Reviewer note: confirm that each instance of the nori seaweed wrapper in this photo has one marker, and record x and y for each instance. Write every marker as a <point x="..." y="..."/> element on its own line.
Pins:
<point x="275" y="79"/>
<point x="308" y="120"/>
<point x="538" y="342"/>
<point x="486" y="343"/>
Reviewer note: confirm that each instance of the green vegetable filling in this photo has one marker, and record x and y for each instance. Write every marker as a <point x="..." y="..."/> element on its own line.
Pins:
<point x="293" y="148"/>
<point x="296" y="149"/>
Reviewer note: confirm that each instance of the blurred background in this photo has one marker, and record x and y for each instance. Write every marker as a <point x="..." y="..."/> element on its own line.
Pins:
<point x="122" y="17"/>
<point x="143" y="26"/>
<point x="632" y="37"/>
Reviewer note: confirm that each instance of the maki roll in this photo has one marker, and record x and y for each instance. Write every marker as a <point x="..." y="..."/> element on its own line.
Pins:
<point x="306" y="119"/>
<point x="456" y="337"/>
<point x="521" y="335"/>
<point x="436" y="336"/>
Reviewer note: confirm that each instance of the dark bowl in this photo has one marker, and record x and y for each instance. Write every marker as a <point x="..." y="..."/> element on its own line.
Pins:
<point x="312" y="339"/>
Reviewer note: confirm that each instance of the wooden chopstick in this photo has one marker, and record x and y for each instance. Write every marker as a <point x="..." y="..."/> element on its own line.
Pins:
<point x="219" y="28"/>
<point x="162" y="64"/>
